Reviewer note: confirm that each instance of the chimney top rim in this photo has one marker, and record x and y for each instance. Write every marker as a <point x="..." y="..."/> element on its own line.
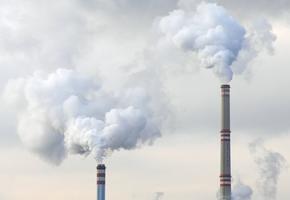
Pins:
<point x="225" y="86"/>
<point x="101" y="166"/>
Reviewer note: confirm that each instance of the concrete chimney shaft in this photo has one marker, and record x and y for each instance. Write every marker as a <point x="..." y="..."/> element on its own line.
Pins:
<point x="101" y="182"/>
<point x="225" y="170"/>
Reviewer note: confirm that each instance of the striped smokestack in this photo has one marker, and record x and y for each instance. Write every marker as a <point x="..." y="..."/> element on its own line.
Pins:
<point x="101" y="181"/>
<point x="225" y="173"/>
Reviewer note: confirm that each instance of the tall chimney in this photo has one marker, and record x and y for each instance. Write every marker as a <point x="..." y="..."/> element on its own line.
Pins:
<point x="101" y="181"/>
<point x="225" y="173"/>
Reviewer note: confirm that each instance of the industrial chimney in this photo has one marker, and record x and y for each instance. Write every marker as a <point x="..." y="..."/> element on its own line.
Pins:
<point x="101" y="181"/>
<point x="225" y="174"/>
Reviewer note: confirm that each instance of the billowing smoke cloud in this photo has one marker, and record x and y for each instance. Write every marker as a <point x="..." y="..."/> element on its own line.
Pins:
<point x="210" y="32"/>
<point x="269" y="164"/>
<point x="67" y="113"/>
<point x="215" y="36"/>
<point x="158" y="195"/>
<point x="260" y="38"/>
<point x="241" y="191"/>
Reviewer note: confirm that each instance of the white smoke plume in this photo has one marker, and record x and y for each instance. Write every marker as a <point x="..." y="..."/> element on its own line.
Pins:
<point x="260" y="38"/>
<point x="67" y="113"/>
<point x="270" y="165"/>
<point x="241" y="191"/>
<point x="215" y="36"/>
<point x="158" y="195"/>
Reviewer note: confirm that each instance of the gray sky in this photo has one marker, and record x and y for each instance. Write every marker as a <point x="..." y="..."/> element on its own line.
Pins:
<point x="113" y="40"/>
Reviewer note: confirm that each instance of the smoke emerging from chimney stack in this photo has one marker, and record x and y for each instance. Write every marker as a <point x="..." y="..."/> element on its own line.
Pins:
<point x="67" y="113"/>
<point x="220" y="41"/>
<point x="158" y="195"/>
<point x="241" y="191"/>
<point x="270" y="164"/>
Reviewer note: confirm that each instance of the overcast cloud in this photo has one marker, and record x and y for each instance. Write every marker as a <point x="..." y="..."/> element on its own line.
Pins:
<point x="116" y="42"/>
<point x="101" y="37"/>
